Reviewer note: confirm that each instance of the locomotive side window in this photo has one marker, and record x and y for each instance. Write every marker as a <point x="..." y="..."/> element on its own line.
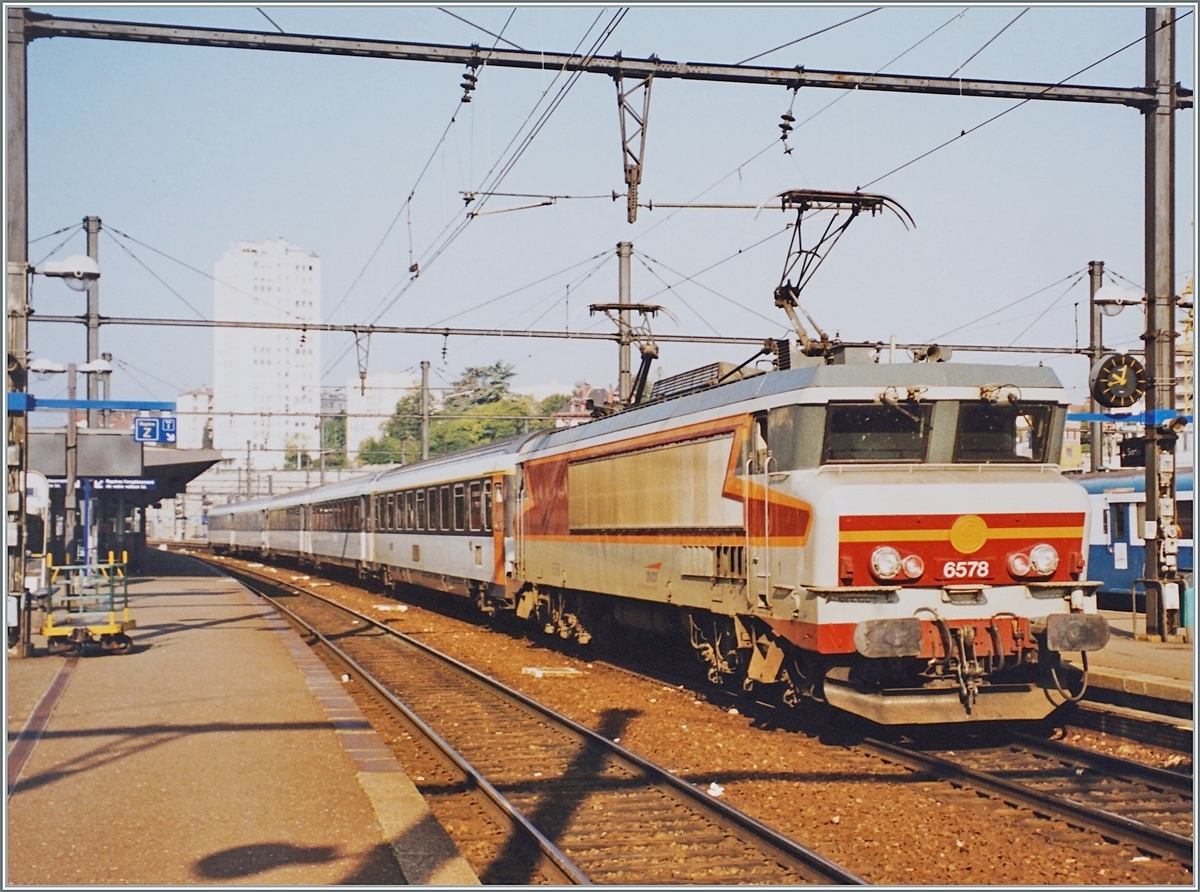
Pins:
<point x="1004" y="432"/>
<point x="876" y="432"/>
<point x="795" y="434"/>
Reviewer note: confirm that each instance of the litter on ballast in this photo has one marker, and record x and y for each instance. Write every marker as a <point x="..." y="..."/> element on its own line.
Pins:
<point x="715" y="789"/>
<point x="315" y="584"/>
<point x="544" y="672"/>
<point x="254" y="564"/>
<point x="401" y="607"/>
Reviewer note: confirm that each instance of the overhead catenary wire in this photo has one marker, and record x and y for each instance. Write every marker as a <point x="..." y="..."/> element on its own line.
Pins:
<point x="57" y="247"/>
<point x="674" y="293"/>
<point x="185" y="265"/>
<point x="879" y="70"/>
<point x="971" y="58"/>
<point x="481" y="28"/>
<point x="1070" y="287"/>
<point x="692" y="278"/>
<point x="443" y="241"/>
<point x="139" y="261"/>
<point x="814" y="34"/>
<point x="398" y="290"/>
<point x="1017" y="105"/>
<point x="499" y="297"/>
<point x="991" y="313"/>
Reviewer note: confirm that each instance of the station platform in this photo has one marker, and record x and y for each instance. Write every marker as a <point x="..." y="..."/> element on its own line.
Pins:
<point x="1152" y="676"/>
<point x="220" y="750"/>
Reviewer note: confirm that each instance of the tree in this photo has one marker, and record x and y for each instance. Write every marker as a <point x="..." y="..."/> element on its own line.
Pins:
<point x="481" y="408"/>
<point x="334" y="441"/>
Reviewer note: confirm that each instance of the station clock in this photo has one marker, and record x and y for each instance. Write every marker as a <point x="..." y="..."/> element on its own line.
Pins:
<point x="1118" y="381"/>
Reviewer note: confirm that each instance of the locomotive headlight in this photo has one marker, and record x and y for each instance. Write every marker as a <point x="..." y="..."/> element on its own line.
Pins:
<point x="1044" y="559"/>
<point x="1018" y="564"/>
<point x="885" y="562"/>
<point x="913" y="566"/>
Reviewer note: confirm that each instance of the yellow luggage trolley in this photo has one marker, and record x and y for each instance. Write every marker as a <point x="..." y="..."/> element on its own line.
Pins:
<point x="89" y="606"/>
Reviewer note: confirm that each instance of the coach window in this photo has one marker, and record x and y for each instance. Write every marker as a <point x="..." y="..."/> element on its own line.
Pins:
<point x="446" y="509"/>
<point x="434" y="507"/>
<point x="460" y="507"/>
<point x="475" y="515"/>
<point x="410" y="510"/>
<point x="487" y="505"/>
<point x="419" y="502"/>
<point x="877" y="432"/>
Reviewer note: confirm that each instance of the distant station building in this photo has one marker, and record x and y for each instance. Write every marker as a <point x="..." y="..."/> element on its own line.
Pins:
<point x="266" y="394"/>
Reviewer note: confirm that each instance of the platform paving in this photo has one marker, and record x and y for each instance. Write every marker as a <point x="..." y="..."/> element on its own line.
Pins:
<point x="1140" y="669"/>
<point x="219" y="751"/>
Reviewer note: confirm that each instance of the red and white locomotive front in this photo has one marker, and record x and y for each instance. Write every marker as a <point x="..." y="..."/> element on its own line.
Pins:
<point x="943" y="571"/>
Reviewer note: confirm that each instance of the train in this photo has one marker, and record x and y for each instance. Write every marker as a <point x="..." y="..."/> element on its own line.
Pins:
<point x="1117" y="553"/>
<point x="894" y="540"/>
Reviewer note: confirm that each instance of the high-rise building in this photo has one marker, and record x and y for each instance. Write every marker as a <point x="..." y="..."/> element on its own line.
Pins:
<point x="266" y="382"/>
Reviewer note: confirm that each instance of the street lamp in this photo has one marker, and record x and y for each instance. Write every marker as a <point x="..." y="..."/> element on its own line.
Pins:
<point x="79" y="272"/>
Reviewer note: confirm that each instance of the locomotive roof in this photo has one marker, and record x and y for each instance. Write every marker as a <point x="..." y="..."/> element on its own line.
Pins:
<point x="926" y="374"/>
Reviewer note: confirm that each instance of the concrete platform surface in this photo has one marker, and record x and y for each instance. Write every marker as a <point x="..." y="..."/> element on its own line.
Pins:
<point x="1153" y="669"/>
<point x="219" y="751"/>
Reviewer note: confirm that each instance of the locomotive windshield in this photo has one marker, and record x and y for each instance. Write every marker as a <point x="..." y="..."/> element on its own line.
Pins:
<point x="877" y="432"/>
<point x="1003" y="432"/>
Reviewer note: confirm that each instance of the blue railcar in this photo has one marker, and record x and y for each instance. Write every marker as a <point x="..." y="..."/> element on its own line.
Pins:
<point x="1117" y="553"/>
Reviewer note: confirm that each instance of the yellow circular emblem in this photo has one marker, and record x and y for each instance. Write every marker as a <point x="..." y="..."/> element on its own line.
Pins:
<point x="968" y="534"/>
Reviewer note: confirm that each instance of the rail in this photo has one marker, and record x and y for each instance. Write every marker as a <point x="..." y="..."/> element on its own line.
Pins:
<point x="563" y="775"/>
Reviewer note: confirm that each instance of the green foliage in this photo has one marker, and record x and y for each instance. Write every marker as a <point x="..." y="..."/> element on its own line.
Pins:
<point x="553" y="403"/>
<point x="480" y="409"/>
<point x="295" y="460"/>
<point x="334" y="443"/>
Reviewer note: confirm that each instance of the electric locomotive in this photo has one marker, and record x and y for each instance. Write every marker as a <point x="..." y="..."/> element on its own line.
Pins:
<point x="896" y="540"/>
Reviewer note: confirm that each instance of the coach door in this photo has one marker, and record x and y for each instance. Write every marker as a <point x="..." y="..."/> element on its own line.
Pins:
<point x="758" y="528"/>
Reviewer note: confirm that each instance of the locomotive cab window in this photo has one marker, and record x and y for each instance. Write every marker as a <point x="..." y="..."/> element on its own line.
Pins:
<point x="1005" y="432"/>
<point x="876" y="432"/>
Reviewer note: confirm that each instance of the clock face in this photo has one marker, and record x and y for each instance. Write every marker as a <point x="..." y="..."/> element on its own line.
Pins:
<point x="1118" y="381"/>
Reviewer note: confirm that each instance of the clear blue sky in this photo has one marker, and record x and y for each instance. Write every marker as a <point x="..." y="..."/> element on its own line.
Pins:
<point x="189" y="150"/>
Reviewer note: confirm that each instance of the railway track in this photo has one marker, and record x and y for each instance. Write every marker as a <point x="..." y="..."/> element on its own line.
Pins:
<point x="596" y="812"/>
<point x="1134" y="803"/>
